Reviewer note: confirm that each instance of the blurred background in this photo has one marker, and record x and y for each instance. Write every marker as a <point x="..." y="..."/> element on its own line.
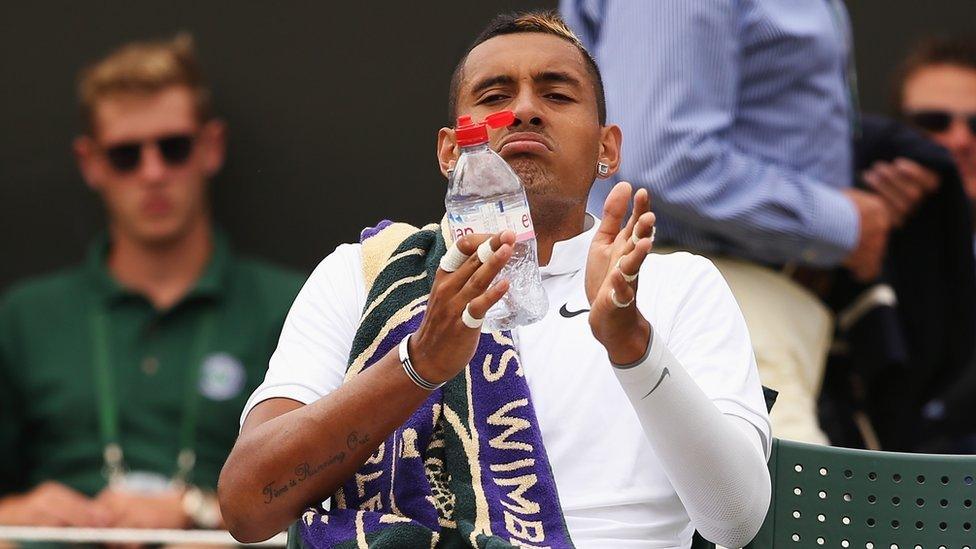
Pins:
<point x="333" y="110"/>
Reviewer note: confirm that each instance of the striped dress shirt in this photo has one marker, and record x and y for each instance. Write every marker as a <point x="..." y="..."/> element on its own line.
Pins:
<point x="736" y="118"/>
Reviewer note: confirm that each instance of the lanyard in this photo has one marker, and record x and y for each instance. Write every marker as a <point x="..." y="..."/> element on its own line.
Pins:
<point x="106" y="399"/>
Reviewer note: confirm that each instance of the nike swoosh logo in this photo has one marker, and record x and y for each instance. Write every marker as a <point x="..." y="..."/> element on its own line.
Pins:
<point x="566" y="313"/>
<point x="664" y="374"/>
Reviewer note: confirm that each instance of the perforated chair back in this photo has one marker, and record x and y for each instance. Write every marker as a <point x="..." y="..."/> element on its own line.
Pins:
<point x="838" y="497"/>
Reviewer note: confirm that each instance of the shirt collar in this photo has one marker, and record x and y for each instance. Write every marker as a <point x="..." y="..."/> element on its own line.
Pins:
<point x="212" y="284"/>
<point x="569" y="256"/>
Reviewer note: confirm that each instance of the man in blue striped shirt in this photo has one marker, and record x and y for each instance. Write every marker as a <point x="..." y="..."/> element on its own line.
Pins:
<point x="737" y="118"/>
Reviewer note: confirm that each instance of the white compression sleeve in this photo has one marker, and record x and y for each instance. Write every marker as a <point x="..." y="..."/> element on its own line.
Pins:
<point x="715" y="462"/>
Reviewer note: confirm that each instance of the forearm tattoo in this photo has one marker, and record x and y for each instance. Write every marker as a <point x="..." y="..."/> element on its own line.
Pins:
<point x="305" y="470"/>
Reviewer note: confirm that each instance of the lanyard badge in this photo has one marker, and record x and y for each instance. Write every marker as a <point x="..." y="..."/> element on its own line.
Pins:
<point x="115" y="470"/>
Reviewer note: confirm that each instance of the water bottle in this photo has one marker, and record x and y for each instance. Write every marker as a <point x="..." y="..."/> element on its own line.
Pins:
<point x="485" y="196"/>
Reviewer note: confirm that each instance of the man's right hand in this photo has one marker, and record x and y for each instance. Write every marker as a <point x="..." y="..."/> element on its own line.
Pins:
<point x="866" y="259"/>
<point x="264" y="485"/>
<point x="53" y="504"/>
<point x="443" y="345"/>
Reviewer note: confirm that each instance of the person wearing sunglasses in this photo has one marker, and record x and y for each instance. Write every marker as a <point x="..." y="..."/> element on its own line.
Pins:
<point x="936" y="92"/>
<point x="121" y="380"/>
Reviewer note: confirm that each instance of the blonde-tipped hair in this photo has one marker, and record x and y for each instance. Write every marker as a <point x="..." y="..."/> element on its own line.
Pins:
<point x="144" y="68"/>
<point x="546" y="22"/>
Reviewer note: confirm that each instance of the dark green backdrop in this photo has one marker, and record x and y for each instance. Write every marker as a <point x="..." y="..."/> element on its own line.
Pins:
<point x="333" y="109"/>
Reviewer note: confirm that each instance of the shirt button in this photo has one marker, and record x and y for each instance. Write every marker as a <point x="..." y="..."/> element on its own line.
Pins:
<point x="150" y="365"/>
<point x="810" y="255"/>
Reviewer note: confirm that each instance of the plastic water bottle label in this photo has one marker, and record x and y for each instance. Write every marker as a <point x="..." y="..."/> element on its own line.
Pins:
<point x="491" y="218"/>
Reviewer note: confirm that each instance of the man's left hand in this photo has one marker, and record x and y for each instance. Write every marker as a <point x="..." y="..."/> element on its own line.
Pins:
<point x="614" y="318"/>
<point x="164" y="510"/>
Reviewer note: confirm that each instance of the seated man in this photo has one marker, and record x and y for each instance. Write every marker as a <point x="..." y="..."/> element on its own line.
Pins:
<point x="120" y="379"/>
<point x="936" y="91"/>
<point x="631" y="415"/>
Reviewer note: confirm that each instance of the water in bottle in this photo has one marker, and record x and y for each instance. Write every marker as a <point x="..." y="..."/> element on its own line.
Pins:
<point x="486" y="196"/>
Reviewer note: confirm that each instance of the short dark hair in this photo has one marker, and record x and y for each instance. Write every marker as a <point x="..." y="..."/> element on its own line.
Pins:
<point x="546" y="22"/>
<point x="957" y="50"/>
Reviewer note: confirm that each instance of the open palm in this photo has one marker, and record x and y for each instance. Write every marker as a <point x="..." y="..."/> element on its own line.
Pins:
<point x="614" y="319"/>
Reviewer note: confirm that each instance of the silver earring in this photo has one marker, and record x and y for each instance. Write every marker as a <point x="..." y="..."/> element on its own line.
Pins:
<point x="603" y="169"/>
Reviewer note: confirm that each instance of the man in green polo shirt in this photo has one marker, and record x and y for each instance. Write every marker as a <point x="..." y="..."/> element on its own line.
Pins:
<point x="121" y="380"/>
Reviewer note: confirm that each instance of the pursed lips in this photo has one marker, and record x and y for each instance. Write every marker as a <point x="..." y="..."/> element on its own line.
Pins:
<point x="524" y="142"/>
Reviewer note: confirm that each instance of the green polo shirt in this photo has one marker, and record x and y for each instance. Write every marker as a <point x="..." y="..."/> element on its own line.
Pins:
<point x="49" y="413"/>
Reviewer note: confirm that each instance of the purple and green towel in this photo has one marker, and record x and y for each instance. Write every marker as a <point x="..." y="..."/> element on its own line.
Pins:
<point x="468" y="468"/>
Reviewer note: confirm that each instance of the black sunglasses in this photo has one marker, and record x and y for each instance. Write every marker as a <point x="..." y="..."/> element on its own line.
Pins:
<point x="937" y="121"/>
<point x="175" y="150"/>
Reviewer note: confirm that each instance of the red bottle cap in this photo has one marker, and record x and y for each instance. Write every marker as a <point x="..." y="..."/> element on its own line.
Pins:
<point x="468" y="133"/>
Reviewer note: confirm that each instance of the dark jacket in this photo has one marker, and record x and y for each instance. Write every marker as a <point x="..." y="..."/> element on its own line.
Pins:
<point x="896" y="359"/>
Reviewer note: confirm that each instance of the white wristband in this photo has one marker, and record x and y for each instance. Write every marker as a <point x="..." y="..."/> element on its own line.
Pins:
<point x="408" y="368"/>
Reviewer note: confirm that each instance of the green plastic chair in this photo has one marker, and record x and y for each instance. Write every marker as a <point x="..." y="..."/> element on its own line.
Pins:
<point x="838" y="497"/>
<point x="294" y="537"/>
